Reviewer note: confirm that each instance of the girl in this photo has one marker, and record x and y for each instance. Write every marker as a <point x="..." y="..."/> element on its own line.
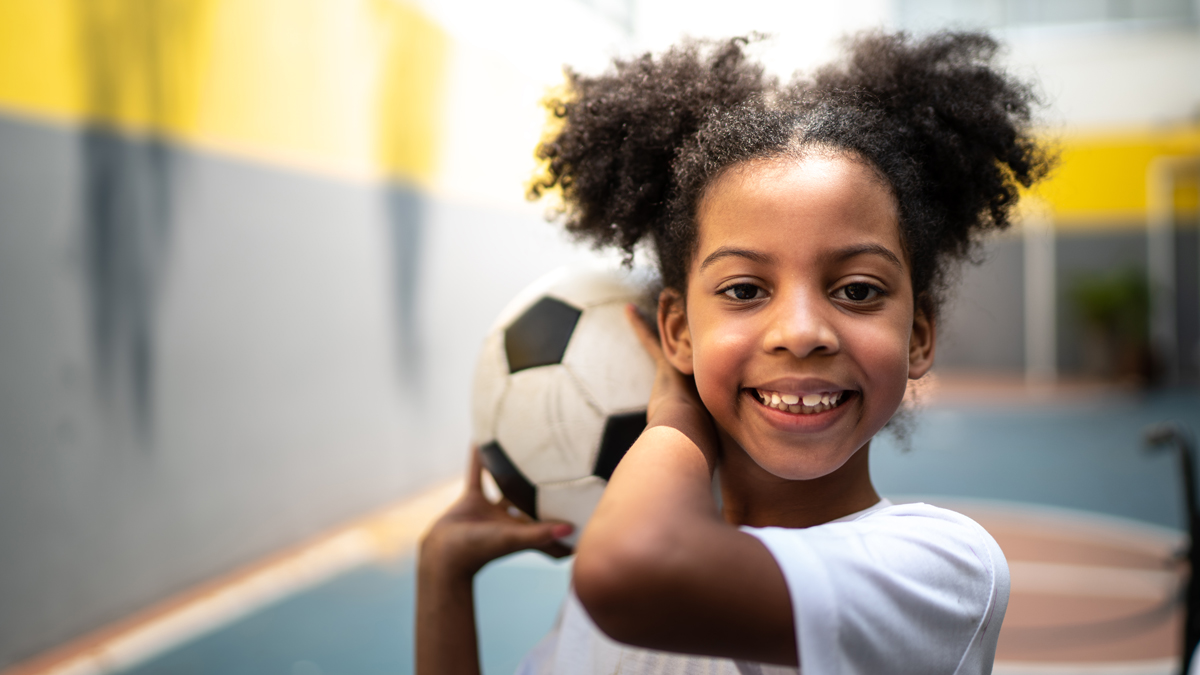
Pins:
<point x="805" y="235"/>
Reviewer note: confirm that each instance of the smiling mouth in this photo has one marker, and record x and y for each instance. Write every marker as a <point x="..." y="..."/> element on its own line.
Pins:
<point x="806" y="404"/>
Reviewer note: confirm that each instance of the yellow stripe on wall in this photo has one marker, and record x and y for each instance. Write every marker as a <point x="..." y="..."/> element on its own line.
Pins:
<point x="353" y="87"/>
<point x="345" y="86"/>
<point x="38" y="58"/>
<point x="1101" y="180"/>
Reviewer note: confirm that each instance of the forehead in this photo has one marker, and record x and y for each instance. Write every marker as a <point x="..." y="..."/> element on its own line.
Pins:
<point x="797" y="207"/>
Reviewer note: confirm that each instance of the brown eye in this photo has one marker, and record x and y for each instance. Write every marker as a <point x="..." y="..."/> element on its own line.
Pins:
<point x="859" y="292"/>
<point x="742" y="292"/>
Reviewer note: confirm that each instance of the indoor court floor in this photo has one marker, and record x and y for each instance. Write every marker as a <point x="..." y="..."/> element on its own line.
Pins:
<point x="1091" y="524"/>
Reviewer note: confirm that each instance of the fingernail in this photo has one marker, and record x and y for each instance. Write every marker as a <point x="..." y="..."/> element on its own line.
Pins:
<point x="560" y="531"/>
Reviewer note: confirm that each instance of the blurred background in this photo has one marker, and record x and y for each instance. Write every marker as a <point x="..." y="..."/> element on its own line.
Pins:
<point x="249" y="250"/>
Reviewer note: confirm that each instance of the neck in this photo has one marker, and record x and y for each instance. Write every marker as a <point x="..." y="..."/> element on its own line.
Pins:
<point x="754" y="497"/>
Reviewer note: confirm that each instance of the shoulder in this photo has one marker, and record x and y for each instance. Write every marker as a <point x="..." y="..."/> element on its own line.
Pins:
<point x="908" y="583"/>
<point x="901" y="537"/>
<point x="938" y="529"/>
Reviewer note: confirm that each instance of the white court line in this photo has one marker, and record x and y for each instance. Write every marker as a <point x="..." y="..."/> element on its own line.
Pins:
<point x="1091" y="581"/>
<point x="1066" y="523"/>
<point x="307" y="569"/>
<point x="1147" y="667"/>
<point x="378" y="537"/>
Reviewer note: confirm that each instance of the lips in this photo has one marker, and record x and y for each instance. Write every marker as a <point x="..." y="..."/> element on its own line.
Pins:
<point x="808" y="403"/>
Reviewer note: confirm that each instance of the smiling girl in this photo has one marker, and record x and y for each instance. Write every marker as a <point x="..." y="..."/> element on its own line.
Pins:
<point x="805" y="235"/>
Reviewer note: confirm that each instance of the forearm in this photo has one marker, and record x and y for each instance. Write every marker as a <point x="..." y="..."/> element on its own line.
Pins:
<point x="657" y="512"/>
<point x="658" y="567"/>
<point x="694" y="426"/>
<point x="471" y="533"/>
<point x="446" y="635"/>
<point x="665" y="480"/>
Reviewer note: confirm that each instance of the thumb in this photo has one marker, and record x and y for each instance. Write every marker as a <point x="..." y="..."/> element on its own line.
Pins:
<point x="535" y="535"/>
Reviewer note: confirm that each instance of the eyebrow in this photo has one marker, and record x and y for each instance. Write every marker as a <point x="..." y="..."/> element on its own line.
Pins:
<point x="730" y="252"/>
<point x="867" y="249"/>
<point x="837" y="256"/>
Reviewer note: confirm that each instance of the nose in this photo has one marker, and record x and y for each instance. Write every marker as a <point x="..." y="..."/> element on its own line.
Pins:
<point x="802" y="324"/>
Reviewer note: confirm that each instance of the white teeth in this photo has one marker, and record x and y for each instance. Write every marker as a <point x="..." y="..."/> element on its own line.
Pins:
<point x="794" y="403"/>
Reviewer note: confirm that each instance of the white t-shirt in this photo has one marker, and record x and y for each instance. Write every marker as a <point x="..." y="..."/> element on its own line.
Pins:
<point x="908" y="588"/>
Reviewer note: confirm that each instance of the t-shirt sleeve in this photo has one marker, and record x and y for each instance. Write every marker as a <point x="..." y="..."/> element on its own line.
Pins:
<point x="908" y="589"/>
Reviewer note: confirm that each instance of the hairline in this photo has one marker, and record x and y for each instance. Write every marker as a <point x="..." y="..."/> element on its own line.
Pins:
<point x="797" y="150"/>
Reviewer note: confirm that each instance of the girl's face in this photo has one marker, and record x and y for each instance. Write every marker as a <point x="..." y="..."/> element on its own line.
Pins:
<point x="799" y="325"/>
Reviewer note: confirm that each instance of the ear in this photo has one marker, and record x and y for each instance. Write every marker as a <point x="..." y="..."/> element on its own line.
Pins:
<point x="921" y="345"/>
<point x="673" y="330"/>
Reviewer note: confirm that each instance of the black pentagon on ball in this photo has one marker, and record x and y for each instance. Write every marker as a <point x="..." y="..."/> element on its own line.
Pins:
<point x="512" y="482"/>
<point x="539" y="337"/>
<point x="620" y="431"/>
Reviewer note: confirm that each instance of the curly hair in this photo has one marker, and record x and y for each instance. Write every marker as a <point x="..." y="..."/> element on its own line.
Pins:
<point x="949" y="132"/>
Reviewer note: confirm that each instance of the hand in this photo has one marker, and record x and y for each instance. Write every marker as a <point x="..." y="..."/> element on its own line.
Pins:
<point x="670" y="385"/>
<point x="474" y="531"/>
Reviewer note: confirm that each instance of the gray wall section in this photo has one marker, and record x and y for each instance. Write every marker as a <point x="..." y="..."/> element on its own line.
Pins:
<point x="1187" y="299"/>
<point x="1125" y="247"/>
<point x="983" y="323"/>
<point x="286" y="316"/>
<point x="1087" y="253"/>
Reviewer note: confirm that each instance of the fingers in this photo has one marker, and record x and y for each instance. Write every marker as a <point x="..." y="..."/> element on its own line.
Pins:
<point x="475" y="472"/>
<point x="541" y="536"/>
<point x="558" y="530"/>
<point x="644" y="333"/>
<point x="556" y="549"/>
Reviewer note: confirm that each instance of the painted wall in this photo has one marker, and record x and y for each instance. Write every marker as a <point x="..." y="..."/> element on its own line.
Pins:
<point x="245" y="267"/>
<point x="290" y="389"/>
<point x="248" y="249"/>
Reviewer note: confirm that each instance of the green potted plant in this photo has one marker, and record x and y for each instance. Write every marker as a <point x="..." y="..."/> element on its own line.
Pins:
<point x="1114" y="308"/>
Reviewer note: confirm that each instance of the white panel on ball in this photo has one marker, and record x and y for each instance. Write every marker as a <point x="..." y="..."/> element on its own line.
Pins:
<point x="603" y="284"/>
<point x="547" y="425"/>
<point x="491" y="379"/>
<point x="604" y="353"/>
<point x="572" y="501"/>
<point x="530" y="295"/>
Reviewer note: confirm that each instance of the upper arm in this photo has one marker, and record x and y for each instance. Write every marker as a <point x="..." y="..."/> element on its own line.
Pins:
<point x="702" y="587"/>
<point x="896" y="594"/>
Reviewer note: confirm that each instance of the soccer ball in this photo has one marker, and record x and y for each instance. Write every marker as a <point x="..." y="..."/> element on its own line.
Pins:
<point x="561" y="389"/>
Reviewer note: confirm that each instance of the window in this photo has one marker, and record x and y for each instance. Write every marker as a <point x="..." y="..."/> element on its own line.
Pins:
<point x="927" y="14"/>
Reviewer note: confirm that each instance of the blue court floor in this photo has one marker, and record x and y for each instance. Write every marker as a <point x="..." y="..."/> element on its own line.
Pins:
<point x="1080" y="453"/>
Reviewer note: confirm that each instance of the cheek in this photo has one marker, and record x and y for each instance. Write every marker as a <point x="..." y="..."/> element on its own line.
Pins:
<point x="883" y="353"/>
<point x="718" y="359"/>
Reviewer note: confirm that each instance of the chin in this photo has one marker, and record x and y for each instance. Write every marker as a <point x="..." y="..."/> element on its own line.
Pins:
<point x="787" y="465"/>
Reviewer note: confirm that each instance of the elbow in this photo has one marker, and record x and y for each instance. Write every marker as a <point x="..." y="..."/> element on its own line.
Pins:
<point x="618" y="582"/>
<point x="601" y="582"/>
